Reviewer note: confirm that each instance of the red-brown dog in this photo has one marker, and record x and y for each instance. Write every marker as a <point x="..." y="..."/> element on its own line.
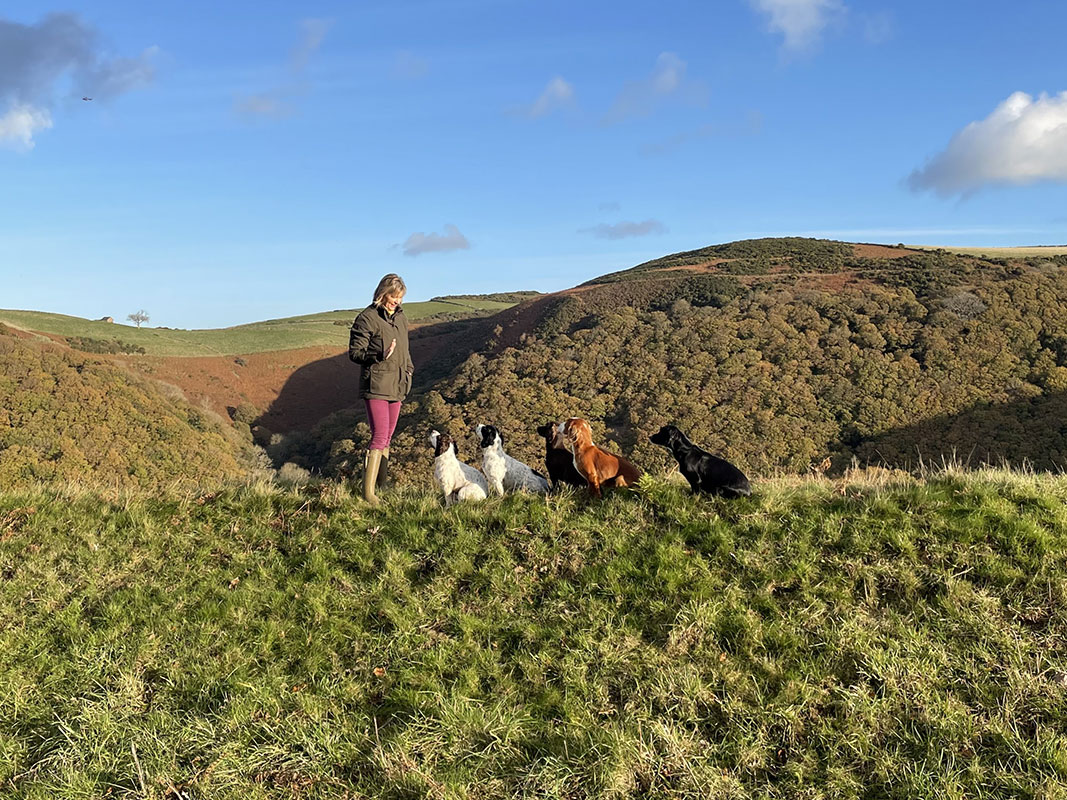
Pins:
<point x="597" y="466"/>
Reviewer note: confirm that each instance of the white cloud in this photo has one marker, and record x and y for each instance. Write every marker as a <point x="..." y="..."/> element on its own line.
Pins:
<point x="419" y="243"/>
<point x="639" y="98"/>
<point x="1023" y="141"/>
<point x="801" y="22"/>
<point x="60" y="55"/>
<point x="623" y="230"/>
<point x="20" y="123"/>
<point x="312" y="32"/>
<point x="557" y="94"/>
<point x="63" y="52"/>
<point x="276" y="102"/>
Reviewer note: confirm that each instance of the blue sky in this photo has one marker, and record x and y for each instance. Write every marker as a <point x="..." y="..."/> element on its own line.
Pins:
<point x="241" y="161"/>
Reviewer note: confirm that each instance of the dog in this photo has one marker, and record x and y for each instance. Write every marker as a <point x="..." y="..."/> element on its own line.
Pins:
<point x="504" y="472"/>
<point x="558" y="459"/>
<point x="598" y="467"/>
<point x="458" y="481"/>
<point x="705" y="472"/>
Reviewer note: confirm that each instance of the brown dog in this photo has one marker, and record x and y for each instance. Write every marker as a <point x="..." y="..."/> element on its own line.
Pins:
<point x="597" y="466"/>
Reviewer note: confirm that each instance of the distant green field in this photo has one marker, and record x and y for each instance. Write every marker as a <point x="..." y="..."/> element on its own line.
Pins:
<point x="276" y="334"/>
<point x="1000" y="252"/>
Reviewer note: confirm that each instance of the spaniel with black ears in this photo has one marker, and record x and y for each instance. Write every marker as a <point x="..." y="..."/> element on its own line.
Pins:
<point x="458" y="481"/>
<point x="504" y="472"/>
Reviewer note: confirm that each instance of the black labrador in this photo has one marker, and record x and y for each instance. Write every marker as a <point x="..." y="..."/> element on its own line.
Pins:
<point x="705" y="472"/>
<point x="558" y="459"/>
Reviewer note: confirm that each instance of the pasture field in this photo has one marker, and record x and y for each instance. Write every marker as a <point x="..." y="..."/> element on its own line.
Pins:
<point x="1000" y="252"/>
<point x="856" y="638"/>
<point x="289" y="333"/>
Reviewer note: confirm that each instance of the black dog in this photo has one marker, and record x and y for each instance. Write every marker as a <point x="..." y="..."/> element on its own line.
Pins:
<point x="558" y="459"/>
<point x="705" y="472"/>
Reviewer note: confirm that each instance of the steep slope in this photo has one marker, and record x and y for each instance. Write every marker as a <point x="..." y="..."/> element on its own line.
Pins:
<point x="67" y="416"/>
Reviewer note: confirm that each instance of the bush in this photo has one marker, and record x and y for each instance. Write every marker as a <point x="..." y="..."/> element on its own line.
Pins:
<point x="292" y="475"/>
<point x="246" y="413"/>
<point x="108" y="346"/>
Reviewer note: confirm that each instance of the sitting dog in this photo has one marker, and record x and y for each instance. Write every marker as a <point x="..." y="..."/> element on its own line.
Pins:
<point x="598" y="467"/>
<point x="457" y="480"/>
<point x="504" y="472"/>
<point x="705" y="472"/>
<point x="558" y="459"/>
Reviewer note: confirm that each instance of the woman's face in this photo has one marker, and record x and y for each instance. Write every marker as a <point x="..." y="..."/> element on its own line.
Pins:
<point x="391" y="301"/>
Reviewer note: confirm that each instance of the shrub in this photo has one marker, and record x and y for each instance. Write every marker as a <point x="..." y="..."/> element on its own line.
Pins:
<point x="292" y="475"/>
<point x="245" y="412"/>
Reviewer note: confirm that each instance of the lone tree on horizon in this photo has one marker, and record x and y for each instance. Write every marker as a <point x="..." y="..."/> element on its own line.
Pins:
<point x="138" y="317"/>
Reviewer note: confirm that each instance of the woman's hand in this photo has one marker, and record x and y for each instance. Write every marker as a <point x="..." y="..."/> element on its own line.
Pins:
<point x="389" y="352"/>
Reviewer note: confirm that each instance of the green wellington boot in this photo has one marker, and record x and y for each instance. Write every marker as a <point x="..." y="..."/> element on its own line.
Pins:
<point x="383" y="472"/>
<point x="370" y="475"/>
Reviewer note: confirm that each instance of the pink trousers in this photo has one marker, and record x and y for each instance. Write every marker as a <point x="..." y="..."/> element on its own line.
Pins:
<point x="381" y="416"/>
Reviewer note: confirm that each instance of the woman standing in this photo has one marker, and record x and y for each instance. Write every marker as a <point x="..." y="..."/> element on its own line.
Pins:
<point x="378" y="342"/>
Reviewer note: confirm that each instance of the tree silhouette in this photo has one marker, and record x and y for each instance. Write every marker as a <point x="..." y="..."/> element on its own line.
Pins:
<point x="138" y="317"/>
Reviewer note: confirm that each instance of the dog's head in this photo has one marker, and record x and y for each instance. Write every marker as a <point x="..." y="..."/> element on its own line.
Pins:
<point x="488" y="435"/>
<point x="576" y="433"/>
<point x="441" y="443"/>
<point x="666" y="437"/>
<point x="550" y="433"/>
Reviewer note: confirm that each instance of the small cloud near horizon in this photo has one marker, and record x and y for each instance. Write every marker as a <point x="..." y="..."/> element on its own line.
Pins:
<point x="801" y="22"/>
<point x="419" y="242"/>
<point x="625" y="230"/>
<point x="59" y="51"/>
<point x="1023" y="141"/>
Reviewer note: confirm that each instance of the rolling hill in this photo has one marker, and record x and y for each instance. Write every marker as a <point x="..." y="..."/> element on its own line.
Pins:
<point x="775" y="353"/>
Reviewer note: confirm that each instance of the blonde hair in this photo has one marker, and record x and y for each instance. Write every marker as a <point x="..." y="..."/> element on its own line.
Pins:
<point x="391" y="284"/>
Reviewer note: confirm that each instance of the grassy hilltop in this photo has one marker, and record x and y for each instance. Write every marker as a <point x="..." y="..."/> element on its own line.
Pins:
<point x="895" y="638"/>
<point x="289" y="333"/>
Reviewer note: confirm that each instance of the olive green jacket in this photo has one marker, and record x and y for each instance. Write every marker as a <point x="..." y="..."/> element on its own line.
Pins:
<point x="382" y="378"/>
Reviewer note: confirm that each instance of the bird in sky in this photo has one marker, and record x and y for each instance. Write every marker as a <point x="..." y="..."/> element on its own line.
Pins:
<point x="87" y="98"/>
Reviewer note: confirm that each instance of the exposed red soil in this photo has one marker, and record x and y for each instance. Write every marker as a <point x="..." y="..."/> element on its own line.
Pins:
<point x="309" y="383"/>
<point x="292" y="389"/>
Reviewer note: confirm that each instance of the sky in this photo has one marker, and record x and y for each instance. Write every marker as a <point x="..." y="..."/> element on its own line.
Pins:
<point x="220" y="163"/>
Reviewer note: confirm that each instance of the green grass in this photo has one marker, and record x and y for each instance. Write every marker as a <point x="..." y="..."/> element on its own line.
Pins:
<point x="819" y="640"/>
<point x="279" y="334"/>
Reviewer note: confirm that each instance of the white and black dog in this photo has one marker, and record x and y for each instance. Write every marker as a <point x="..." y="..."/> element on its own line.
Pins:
<point x="705" y="472"/>
<point x="503" y="472"/>
<point x="458" y="481"/>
